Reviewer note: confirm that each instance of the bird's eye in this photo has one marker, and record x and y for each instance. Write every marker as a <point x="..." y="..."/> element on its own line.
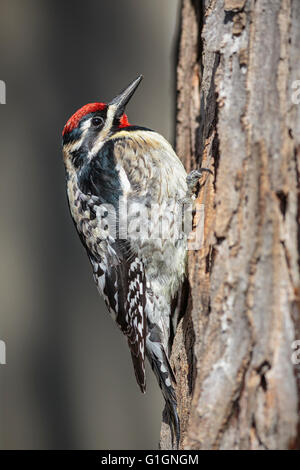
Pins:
<point x="97" y="121"/>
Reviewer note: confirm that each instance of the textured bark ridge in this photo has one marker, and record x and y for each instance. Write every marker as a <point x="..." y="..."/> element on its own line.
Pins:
<point x="237" y="65"/>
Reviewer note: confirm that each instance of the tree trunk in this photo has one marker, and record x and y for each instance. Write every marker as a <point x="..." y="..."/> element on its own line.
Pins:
<point x="238" y="113"/>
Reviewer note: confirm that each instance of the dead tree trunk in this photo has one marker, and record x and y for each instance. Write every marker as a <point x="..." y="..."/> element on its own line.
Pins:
<point x="238" y="113"/>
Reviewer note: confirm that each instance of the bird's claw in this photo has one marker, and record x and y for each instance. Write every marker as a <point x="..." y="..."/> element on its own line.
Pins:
<point x="193" y="178"/>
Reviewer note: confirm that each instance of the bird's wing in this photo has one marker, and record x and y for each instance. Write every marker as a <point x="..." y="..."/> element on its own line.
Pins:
<point x="118" y="272"/>
<point x="123" y="287"/>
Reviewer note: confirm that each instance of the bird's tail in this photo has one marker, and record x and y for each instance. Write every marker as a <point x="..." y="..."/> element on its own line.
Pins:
<point x="162" y="369"/>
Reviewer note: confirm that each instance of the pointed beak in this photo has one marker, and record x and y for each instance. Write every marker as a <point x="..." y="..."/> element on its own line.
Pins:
<point x="122" y="99"/>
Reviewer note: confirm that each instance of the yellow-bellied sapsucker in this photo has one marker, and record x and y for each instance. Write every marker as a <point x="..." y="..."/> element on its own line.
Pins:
<point x="124" y="186"/>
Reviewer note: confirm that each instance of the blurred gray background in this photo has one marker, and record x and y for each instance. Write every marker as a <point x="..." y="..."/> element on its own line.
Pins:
<point x="69" y="381"/>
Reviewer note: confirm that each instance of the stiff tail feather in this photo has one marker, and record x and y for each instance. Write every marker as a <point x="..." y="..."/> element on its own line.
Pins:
<point x="165" y="377"/>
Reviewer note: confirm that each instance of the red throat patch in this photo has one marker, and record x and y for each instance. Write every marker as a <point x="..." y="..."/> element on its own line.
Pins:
<point x="124" y="121"/>
<point x="74" y="120"/>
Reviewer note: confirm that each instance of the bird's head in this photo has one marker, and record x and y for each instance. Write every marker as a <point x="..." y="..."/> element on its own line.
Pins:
<point x="89" y="128"/>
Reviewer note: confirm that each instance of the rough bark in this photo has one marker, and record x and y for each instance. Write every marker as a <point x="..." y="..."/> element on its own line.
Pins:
<point x="237" y="385"/>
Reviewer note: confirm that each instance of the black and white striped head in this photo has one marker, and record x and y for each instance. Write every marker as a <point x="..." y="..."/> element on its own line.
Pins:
<point x="87" y="129"/>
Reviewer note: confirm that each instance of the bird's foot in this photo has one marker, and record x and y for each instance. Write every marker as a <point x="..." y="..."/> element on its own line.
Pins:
<point x="192" y="181"/>
<point x="193" y="177"/>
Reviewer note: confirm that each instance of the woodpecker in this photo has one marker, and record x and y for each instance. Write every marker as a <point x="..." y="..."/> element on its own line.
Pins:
<point x="117" y="171"/>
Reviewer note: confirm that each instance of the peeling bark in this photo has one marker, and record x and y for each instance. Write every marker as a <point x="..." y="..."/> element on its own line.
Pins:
<point x="237" y="65"/>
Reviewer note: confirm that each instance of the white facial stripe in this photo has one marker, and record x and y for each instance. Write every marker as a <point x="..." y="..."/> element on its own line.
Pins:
<point x="86" y="124"/>
<point x="71" y="147"/>
<point x="110" y="116"/>
<point x="76" y="145"/>
<point x="104" y="132"/>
